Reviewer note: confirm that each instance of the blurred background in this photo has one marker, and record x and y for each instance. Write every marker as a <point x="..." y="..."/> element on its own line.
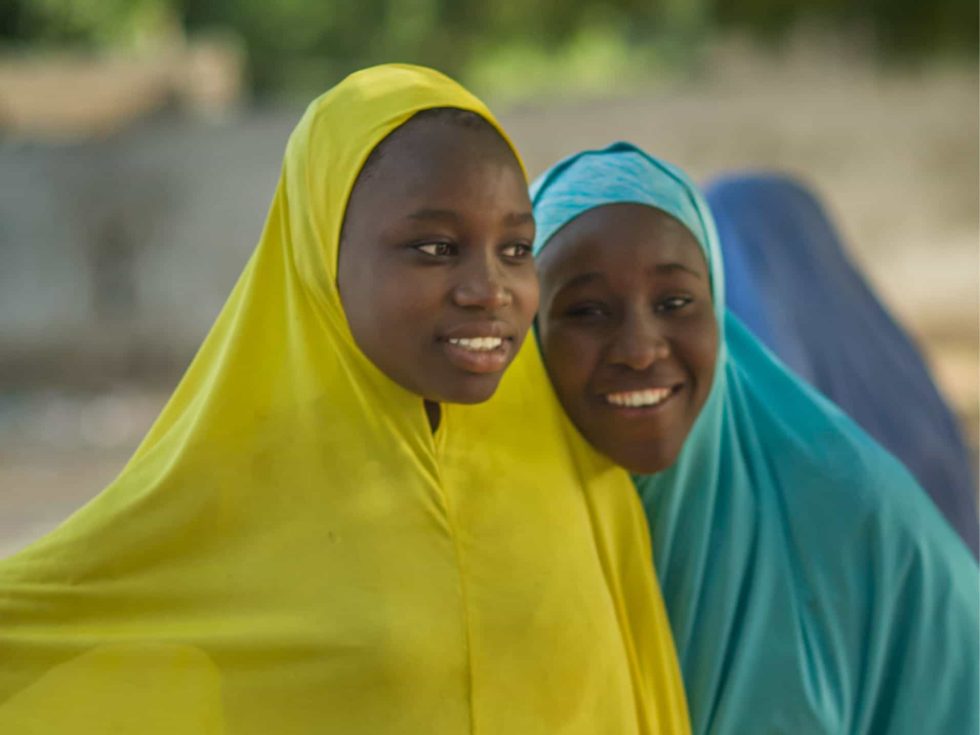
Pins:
<point x="140" y="143"/>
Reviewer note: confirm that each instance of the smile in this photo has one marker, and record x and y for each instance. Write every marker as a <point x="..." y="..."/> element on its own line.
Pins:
<point x="646" y="398"/>
<point x="477" y="344"/>
<point x="479" y="355"/>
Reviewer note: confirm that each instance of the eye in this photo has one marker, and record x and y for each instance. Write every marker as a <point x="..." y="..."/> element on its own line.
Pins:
<point x="673" y="303"/>
<point x="436" y="249"/>
<point x="516" y="251"/>
<point x="587" y="310"/>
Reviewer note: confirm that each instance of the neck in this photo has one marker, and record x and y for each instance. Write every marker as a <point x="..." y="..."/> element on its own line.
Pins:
<point x="432" y="413"/>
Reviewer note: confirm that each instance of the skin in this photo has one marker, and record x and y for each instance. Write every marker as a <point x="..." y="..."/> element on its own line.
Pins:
<point x="436" y="246"/>
<point x="626" y="306"/>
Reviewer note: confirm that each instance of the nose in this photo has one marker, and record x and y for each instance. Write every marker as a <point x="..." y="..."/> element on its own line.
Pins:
<point x="638" y="344"/>
<point x="481" y="285"/>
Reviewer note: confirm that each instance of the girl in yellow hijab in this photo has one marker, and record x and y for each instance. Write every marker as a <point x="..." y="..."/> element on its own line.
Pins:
<point x="317" y="535"/>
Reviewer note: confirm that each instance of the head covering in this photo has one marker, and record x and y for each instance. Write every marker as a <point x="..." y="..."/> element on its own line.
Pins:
<point x="782" y="256"/>
<point x="292" y="550"/>
<point x="811" y="585"/>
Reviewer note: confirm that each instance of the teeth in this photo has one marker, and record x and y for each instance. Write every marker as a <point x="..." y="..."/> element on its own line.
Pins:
<point x="477" y="344"/>
<point x="637" y="398"/>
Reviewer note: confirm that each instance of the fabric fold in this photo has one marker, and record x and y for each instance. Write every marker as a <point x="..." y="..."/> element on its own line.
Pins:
<point x="811" y="584"/>
<point x="291" y="550"/>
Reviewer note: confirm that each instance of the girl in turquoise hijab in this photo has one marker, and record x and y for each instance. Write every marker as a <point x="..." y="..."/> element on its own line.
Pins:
<point x="811" y="585"/>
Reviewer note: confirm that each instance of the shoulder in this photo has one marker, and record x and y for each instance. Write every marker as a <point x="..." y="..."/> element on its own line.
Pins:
<point x="835" y="483"/>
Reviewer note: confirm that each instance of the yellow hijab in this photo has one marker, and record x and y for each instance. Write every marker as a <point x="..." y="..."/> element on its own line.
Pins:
<point x="291" y="550"/>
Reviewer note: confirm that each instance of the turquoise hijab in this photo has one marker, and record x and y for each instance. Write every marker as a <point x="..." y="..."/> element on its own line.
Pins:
<point x="812" y="587"/>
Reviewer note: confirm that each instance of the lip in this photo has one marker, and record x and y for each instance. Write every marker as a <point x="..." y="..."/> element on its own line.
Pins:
<point x="641" y="411"/>
<point x="472" y="361"/>
<point x="471" y="330"/>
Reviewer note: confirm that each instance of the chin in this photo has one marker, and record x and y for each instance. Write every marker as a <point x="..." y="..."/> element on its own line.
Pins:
<point x="641" y="460"/>
<point x="478" y="389"/>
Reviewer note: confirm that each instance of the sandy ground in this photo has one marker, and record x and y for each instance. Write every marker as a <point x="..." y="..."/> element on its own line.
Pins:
<point x="894" y="157"/>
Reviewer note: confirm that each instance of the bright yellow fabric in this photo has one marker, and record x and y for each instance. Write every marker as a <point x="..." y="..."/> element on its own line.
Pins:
<point x="291" y="550"/>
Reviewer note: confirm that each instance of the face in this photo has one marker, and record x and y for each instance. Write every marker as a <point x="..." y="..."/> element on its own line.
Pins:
<point x="435" y="269"/>
<point x="628" y="331"/>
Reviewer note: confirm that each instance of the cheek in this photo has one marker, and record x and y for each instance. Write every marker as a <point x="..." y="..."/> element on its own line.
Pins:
<point x="406" y="305"/>
<point x="388" y="310"/>
<point x="571" y="358"/>
<point x="526" y="295"/>
<point x="703" y="351"/>
<point x="356" y="287"/>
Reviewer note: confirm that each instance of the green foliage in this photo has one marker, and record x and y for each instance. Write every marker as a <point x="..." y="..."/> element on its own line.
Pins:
<point x="92" y="23"/>
<point x="901" y="28"/>
<point x="295" y="46"/>
<point x="592" y="61"/>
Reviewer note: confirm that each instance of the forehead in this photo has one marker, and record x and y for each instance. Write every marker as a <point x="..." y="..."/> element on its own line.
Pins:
<point x="427" y="144"/>
<point x="620" y="237"/>
<point x="436" y="164"/>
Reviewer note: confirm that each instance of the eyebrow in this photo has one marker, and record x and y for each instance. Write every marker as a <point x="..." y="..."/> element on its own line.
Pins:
<point x="519" y="218"/>
<point x="581" y="279"/>
<point x="437" y="214"/>
<point x="670" y="267"/>
<point x="513" y="218"/>
<point x="591" y="276"/>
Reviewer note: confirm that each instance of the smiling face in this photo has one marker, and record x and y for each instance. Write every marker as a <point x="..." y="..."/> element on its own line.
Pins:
<point x="435" y="270"/>
<point x="628" y="331"/>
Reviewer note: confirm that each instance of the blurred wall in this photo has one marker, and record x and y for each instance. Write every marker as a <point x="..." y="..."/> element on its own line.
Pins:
<point x="116" y="254"/>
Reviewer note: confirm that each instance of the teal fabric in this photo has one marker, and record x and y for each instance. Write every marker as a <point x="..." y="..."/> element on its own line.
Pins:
<point x="812" y="587"/>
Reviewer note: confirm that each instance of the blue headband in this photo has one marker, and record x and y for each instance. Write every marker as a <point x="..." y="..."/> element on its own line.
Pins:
<point x="622" y="173"/>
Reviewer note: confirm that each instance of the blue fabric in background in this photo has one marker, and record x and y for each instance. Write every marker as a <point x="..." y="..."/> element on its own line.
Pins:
<point x="789" y="279"/>
<point x="812" y="586"/>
